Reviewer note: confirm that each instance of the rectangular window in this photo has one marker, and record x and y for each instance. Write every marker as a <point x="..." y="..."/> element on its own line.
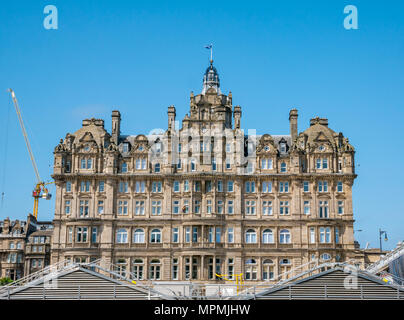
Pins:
<point x="250" y="207"/>
<point x="82" y="234"/>
<point x="208" y="186"/>
<point x="266" y="163"/>
<point x="100" y="207"/>
<point x="156" y="207"/>
<point x="175" y="235"/>
<point x="122" y="207"/>
<point x="306" y="206"/>
<point x="195" y="234"/>
<point x="267" y="208"/>
<point x="325" y="163"/>
<point x="139" y="207"/>
<point x="323" y="209"/>
<point x="83" y="164"/>
<point x="340" y="207"/>
<point x="85" y="186"/>
<point x="339" y="186"/>
<point x="186" y="186"/>
<point x="312" y="235"/>
<point x="336" y="235"/>
<point x="305" y="186"/>
<point x="176" y="206"/>
<point x="230" y="235"/>
<point x="89" y="163"/>
<point x="209" y="206"/>
<point x="214" y="166"/>
<point x="250" y="187"/>
<point x="230" y="186"/>
<point x="266" y="186"/>
<point x="187" y="234"/>
<point x="228" y="163"/>
<point x="123" y="187"/>
<point x="283" y="186"/>
<point x="322" y="186"/>
<point x="84" y="208"/>
<point x="197" y="186"/>
<point x="284" y="207"/>
<point x="68" y="186"/>
<point x="230" y="207"/>
<point x="318" y="163"/>
<point x="70" y="235"/>
<point x="197" y="206"/>
<point x="219" y="206"/>
<point x="175" y="269"/>
<point x="220" y="186"/>
<point x="140" y="186"/>
<point x="156" y="186"/>
<point x="218" y="234"/>
<point x="176" y="186"/>
<point x="101" y="186"/>
<point x="210" y="235"/>
<point x="185" y="208"/>
<point x="94" y="235"/>
<point x="67" y="207"/>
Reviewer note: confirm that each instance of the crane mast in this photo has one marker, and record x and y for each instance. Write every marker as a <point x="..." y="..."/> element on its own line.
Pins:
<point x="40" y="191"/>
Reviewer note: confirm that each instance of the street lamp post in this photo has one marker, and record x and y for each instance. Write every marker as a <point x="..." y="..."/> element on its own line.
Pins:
<point x="381" y="232"/>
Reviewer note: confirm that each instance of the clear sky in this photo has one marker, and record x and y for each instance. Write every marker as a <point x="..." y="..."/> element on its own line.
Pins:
<point x="142" y="56"/>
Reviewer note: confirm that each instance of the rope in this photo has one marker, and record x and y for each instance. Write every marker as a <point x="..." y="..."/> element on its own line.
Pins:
<point x="3" y="180"/>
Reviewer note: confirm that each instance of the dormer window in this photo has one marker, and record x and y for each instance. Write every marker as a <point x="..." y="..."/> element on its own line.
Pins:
<point x="125" y="147"/>
<point x="157" y="147"/>
<point x="282" y="146"/>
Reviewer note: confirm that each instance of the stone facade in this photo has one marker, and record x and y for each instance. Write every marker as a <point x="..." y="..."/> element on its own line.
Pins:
<point x="205" y="198"/>
<point x="24" y="247"/>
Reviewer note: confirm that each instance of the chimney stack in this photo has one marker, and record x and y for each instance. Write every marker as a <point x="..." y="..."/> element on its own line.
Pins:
<point x="171" y="117"/>
<point x="293" y="124"/>
<point x="116" y="126"/>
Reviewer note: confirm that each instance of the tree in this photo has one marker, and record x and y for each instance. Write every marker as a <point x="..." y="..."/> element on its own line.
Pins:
<point x="5" y="280"/>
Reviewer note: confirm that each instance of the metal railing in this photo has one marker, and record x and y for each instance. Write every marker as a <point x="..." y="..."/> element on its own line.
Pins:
<point x="392" y="255"/>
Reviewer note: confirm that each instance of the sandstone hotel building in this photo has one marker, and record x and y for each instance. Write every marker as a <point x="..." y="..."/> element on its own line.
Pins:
<point x="204" y="197"/>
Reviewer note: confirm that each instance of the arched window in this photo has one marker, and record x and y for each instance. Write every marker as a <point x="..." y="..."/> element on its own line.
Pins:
<point x="155" y="236"/>
<point x="267" y="270"/>
<point x="154" y="269"/>
<point x="122" y="236"/>
<point x="284" y="236"/>
<point x="138" y="236"/>
<point x="251" y="236"/>
<point x="157" y="167"/>
<point x="250" y="269"/>
<point x="124" y="167"/>
<point x="267" y="236"/>
<point x="283" y="167"/>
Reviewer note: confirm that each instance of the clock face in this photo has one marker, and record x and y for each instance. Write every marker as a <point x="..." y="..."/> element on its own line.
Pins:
<point x="266" y="148"/>
<point x="321" y="148"/>
<point x="140" y="148"/>
<point x="86" y="148"/>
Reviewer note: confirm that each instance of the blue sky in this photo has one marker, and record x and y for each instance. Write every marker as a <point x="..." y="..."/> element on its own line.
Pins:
<point x="146" y="55"/>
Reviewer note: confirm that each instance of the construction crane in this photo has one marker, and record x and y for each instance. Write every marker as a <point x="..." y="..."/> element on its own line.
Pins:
<point x="40" y="190"/>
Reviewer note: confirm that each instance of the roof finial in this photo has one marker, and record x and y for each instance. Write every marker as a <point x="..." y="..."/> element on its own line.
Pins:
<point x="210" y="46"/>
